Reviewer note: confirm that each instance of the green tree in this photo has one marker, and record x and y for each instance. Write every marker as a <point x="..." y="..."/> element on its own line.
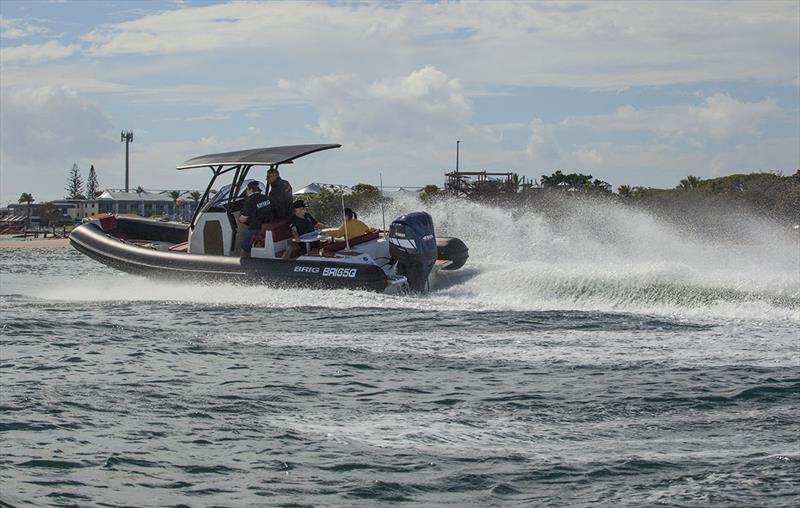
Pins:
<point x="690" y="182"/>
<point x="74" y="183"/>
<point x="26" y="197"/>
<point x="326" y="205"/>
<point x="552" y="180"/>
<point x="49" y="214"/>
<point x="364" y="197"/>
<point x="195" y="195"/>
<point x="430" y="193"/>
<point x="625" y="191"/>
<point x="567" y="181"/>
<point x="601" y="186"/>
<point x="92" y="187"/>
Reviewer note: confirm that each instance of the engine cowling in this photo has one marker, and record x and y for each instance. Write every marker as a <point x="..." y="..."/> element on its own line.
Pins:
<point x="412" y="243"/>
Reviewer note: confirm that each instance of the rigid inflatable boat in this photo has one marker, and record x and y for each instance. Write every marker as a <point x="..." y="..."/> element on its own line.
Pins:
<point x="406" y="257"/>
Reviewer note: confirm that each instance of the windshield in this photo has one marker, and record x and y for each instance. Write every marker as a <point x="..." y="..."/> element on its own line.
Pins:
<point x="220" y="199"/>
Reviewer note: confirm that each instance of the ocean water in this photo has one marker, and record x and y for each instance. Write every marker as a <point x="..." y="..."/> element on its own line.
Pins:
<point x="604" y="358"/>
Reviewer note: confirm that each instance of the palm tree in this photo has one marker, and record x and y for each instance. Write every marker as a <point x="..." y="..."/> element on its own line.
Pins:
<point x="601" y="185"/>
<point x="195" y="195"/>
<point x="625" y="191"/>
<point x="690" y="182"/>
<point x="175" y="195"/>
<point x="26" y="197"/>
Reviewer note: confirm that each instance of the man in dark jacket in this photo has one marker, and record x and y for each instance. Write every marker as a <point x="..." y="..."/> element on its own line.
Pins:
<point x="303" y="222"/>
<point x="257" y="210"/>
<point x="280" y="194"/>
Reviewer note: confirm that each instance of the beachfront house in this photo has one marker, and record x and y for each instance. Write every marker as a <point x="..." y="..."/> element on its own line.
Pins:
<point x="146" y="204"/>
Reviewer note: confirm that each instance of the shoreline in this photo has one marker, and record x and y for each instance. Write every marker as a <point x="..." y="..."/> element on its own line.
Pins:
<point x="37" y="243"/>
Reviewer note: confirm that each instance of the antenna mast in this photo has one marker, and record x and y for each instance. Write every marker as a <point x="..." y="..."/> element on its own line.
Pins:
<point x="458" y="142"/>
<point x="383" y="209"/>
<point x="127" y="137"/>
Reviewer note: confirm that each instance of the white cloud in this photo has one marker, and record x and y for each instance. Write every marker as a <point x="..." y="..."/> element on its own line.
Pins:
<point x="775" y="154"/>
<point x="205" y="118"/>
<point x="429" y="89"/>
<point x="718" y="117"/>
<point x="15" y="28"/>
<point x="542" y="143"/>
<point x="426" y="106"/>
<point x="33" y="53"/>
<point x="591" y="44"/>
<point x="48" y="124"/>
<point x="72" y="76"/>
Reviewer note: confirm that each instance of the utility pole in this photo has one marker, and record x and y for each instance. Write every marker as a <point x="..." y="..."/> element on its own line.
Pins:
<point x="127" y="137"/>
<point x="458" y="142"/>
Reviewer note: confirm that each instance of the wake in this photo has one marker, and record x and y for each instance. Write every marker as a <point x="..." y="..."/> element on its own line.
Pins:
<point x="578" y="255"/>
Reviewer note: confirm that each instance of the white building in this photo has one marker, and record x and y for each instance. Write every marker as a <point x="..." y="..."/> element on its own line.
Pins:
<point x="144" y="203"/>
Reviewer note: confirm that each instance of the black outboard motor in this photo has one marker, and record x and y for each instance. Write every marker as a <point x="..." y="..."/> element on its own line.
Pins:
<point x="412" y="243"/>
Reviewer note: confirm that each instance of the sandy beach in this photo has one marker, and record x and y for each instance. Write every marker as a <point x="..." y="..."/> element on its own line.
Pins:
<point x="31" y="243"/>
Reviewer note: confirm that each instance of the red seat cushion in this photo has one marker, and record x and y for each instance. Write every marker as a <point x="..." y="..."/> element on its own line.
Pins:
<point x="279" y="229"/>
<point x="337" y="246"/>
<point x="180" y="247"/>
<point x="108" y="223"/>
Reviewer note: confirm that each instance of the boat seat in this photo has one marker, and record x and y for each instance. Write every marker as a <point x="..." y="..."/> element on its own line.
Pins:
<point x="341" y="244"/>
<point x="273" y="237"/>
<point x="180" y="247"/>
<point x="108" y="224"/>
<point x="278" y="229"/>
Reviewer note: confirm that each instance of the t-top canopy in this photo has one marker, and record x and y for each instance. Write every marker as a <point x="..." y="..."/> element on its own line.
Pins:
<point x="256" y="156"/>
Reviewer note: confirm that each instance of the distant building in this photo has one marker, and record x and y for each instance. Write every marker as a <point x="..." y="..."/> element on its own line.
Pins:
<point x="145" y="203"/>
<point x="312" y="188"/>
<point x="396" y="192"/>
<point x="18" y="212"/>
<point x="316" y="188"/>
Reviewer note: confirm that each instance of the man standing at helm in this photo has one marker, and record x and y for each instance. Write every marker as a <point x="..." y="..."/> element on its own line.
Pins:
<point x="280" y="194"/>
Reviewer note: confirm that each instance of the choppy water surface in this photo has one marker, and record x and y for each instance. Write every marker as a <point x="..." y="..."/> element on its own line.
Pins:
<point x="625" y="365"/>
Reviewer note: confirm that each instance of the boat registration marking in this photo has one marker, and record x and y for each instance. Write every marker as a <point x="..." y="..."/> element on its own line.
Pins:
<point x="329" y="271"/>
<point x="339" y="272"/>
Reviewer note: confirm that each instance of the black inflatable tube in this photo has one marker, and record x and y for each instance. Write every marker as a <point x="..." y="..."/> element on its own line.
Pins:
<point x="113" y="252"/>
<point x="452" y="249"/>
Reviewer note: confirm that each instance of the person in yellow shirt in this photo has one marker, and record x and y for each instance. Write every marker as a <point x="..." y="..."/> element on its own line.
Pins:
<point x="354" y="227"/>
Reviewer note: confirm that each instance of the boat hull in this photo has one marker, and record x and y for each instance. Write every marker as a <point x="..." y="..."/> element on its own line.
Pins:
<point x="130" y="258"/>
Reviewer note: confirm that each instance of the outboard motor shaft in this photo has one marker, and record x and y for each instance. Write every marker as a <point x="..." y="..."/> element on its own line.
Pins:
<point x="412" y="243"/>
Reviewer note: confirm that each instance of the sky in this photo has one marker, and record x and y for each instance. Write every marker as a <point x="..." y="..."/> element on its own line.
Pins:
<point x="637" y="93"/>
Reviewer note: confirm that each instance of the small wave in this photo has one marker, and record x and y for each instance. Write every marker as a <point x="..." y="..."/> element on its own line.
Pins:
<point x="203" y="469"/>
<point x="769" y="393"/>
<point x="51" y="464"/>
<point x="120" y="461"/>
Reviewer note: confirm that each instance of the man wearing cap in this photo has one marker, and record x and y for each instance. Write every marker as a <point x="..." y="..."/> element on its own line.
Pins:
<point x="257" y="210"/>
<point x="280" y="194"/>
<point x="303" y="222"/>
